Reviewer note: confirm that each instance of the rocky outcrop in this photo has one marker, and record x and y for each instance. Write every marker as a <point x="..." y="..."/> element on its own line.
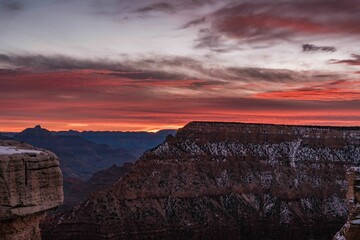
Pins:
<point x="351" y="229"/>
<point x="30" y="184"/>
<point x="225" y="181"/>
<point x="105" y="178"/>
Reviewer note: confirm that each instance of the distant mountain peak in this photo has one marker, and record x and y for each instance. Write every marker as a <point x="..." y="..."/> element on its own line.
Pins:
<point x="37" y="131"/>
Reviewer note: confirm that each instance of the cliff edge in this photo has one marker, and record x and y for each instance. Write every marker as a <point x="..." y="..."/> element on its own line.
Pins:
<point x="351" y="229"/>
<point x="30" y="183"/>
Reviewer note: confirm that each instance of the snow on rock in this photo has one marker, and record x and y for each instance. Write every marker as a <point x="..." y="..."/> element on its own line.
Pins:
<point x="10" y="150"/>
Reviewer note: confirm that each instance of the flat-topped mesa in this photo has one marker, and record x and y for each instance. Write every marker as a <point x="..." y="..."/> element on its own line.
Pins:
<point x="30" y="183"/>
<point x="255" y="133"/>
<point x="351" y="229"/>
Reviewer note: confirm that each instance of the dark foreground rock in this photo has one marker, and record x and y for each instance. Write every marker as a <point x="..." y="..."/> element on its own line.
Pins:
<point x="225" y="181"/>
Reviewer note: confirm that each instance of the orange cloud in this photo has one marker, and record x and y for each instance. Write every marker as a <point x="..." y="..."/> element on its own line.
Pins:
<point x="98" y="100"/>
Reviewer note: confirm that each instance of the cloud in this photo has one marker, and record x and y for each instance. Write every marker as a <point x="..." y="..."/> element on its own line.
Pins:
<point x="312" y="94"/>
<point x="312" y="48"/>
<point x="146" y="75"/>
<point x="141" y="8"/>
<point x="175" y="80"/>
<point x="41" y="62"/>
<point x="158" y="7"/>
<point x="135" y="69"/>
<point x="167" y="68"/>
<point x="355" y="61"/>
<point x="172" y="6"/>
<point x="161" y="92"/>
<point x="209" y="39"/>
<point x="329" y="91"/>
<point x="179" y="75"/>
<point x="194" y="22"/>
<point x="158" y="91"/>
<point x="11" y="5"/>
<point x="57" y="99"/>
<point x="261" y="21"/>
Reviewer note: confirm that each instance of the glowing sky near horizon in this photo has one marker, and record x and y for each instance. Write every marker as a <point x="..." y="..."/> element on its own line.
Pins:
<point x="149" y="65"/>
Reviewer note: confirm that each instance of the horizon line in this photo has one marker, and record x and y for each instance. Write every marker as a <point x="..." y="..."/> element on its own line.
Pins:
<point x="155" y="130"/>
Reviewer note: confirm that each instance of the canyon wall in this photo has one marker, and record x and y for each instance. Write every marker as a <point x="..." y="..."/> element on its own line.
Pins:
<point x="225" y="180"/>
<point x="30" y="184"/>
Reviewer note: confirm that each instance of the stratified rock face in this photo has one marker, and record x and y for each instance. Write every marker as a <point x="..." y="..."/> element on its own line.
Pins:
<point x="225" y="181"/>
<point x="351" y="229"/>
<point x="30" y="183"/>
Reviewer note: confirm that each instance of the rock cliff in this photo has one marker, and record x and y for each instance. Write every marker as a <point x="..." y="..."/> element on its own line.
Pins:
<point x="30" y="184"/>
<point x="351" y="229"/>
<point x="225" y="180"/>
<point x="101" y="180"/>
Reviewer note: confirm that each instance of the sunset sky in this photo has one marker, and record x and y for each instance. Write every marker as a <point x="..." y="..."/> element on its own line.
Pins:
<point x="153" y="64"/>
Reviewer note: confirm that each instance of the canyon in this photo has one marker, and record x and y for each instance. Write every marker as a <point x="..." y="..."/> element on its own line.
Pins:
<point x="89" y="160"/>
<point x="79" y="157"/>
<point x="225" y="180"/>
<point x="76" y="191"/>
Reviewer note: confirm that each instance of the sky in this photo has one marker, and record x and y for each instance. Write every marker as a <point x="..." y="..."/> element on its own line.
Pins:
<point x="146" y="65"/>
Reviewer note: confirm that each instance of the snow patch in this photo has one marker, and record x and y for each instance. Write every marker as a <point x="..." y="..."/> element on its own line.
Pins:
<point x="8" y="150"/>
<point x="294" y="147"/>
<point x="223" y="179"/>
<point x="284" y="213"/>
<point x="339" y="236"/>
<point x="355" y="222"/>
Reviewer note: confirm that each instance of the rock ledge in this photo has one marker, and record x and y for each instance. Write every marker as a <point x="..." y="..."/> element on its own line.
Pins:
<point x="30" y="183"/>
